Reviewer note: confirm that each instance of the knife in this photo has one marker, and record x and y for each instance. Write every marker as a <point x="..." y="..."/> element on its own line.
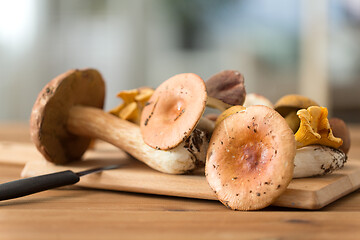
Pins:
<point x="27" y="186"/>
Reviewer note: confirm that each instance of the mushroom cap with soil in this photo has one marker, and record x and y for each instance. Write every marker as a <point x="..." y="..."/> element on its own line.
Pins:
<point x="51" y="110"/>
<point x="173" y="111"/>
<point x="250" y="160"/>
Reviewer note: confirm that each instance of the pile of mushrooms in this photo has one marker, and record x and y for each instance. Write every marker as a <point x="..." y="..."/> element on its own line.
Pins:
<point x="67" y="115"/>
<point x="251" y="150"/>
<point x="319" y="151"/>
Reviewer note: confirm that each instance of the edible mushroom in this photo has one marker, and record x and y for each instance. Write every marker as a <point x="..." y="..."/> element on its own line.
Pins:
<point x="250" y="160"/>
<point x="257" y="99"/>
<point x="228" y="87"/>
<point x="340" y="130"/>
<point x="66" y="116"/>
<point x="315" y="128"/>
<point x="288" y="105"/>
<point x="51" y="112"/>
<point x="174" y="111"/>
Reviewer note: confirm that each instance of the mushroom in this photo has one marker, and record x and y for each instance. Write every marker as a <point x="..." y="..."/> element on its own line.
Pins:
<point x="66" y="116"/>
<point x="250" y="160"/>
<point x="340" y="130"/>
<point x="228" y="112"/>
<point x="174" y="111"/>
<point x="288" y="105"/>
<point x="133" y="102"/>
<point x="177" y="106"/>
<point x="257" y="99"/>
<point x="317" y="160"/>
<point x="51" y="112"/>
<point x="315" y="128"/>
<point x="226" y="86"/>
<point x="311" y="160"/>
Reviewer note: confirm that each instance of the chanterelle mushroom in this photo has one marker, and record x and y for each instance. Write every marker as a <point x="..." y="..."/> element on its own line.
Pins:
<point x="133" y="102"/>
<point x="315" y="128"/>
<point x="250" y="160"/>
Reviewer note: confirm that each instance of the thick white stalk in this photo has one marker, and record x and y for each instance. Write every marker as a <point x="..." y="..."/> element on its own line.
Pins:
<point x="95" y="123"/>
<point x="317" y="160"/>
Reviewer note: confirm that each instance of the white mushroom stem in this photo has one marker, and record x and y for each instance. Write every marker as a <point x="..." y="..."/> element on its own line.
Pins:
<point x="95" y="123"/>
<point x="317" y="160"/>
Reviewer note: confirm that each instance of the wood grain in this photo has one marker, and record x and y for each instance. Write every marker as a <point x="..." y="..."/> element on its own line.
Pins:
<point x="308" y="193"/>
<point x="133" y="176"/>
<point x="78" y="213"/>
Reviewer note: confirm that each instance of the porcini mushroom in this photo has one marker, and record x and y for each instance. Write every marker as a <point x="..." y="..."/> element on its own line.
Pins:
<point x="288" y="105"/>
<point x="250" y="159"/>
<point x="226" y="86"/>
<point x="174" y="111"/>
<point x="340" y="130"/>
<point x="66" y="116"/>
<point x="51" y="112"/>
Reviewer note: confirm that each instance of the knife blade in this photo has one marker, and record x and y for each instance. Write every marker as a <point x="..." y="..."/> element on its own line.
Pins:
<point x="31" y="185"/>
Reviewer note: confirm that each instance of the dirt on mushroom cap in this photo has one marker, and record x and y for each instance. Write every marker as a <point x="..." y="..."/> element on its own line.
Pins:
<point x="173" y="111"/>
<point x="250" y="160"/>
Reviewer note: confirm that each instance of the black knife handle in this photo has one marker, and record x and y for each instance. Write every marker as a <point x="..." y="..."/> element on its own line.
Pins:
<point x="27" y="186"/>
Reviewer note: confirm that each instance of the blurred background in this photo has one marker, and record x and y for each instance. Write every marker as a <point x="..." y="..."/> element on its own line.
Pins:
<point x="305" y="47"/>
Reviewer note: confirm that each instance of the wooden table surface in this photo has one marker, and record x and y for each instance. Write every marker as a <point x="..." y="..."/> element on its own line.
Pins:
<point x="78" y="213"/>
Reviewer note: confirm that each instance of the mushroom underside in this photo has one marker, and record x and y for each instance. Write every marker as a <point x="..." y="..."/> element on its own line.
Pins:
<point x="51" y="112"/>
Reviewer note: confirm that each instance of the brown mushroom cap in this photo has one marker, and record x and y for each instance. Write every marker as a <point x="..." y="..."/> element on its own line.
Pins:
<point x="173" y="111"/>
<point x="340" y="130"/>
<point x="227" y="86"/>
<point x="257" y="99"/>
<point x="293" y="102"/>
<point x="250" y="160"/>
<point x="51" y="110"/>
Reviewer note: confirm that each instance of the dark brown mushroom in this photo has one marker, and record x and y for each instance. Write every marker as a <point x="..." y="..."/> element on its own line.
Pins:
<point x="227" y="86"/>
<point x="340" y="130"/>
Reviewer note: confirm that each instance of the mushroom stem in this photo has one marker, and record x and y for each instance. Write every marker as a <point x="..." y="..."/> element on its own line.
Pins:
<point x="95" y="123"/>
<point x="216" y="103"/>
<point x="206" y="125"/>
<point x="317" y="160"/>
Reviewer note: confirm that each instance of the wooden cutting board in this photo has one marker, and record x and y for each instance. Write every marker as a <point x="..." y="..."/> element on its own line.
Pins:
<point x="133" y="176"/>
